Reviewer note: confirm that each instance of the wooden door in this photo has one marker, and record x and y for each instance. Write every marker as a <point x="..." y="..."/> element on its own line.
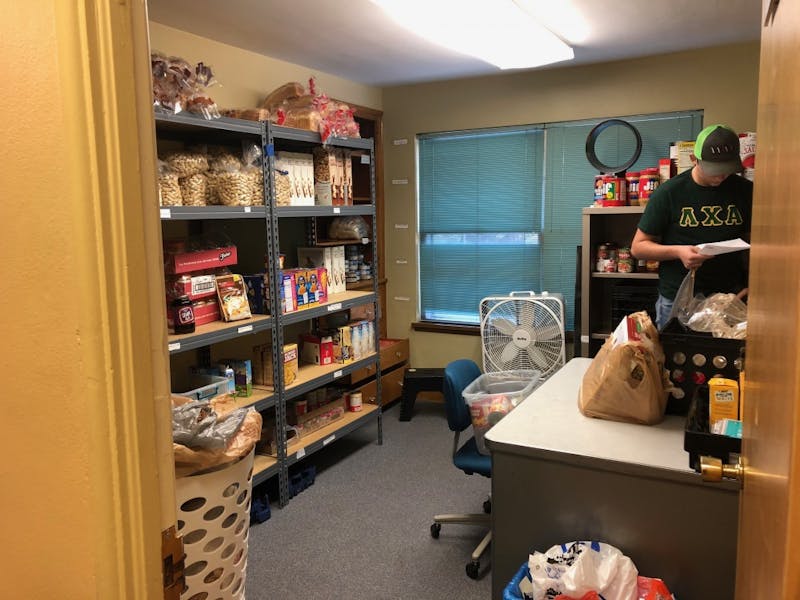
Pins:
<point x="768" y="563"/>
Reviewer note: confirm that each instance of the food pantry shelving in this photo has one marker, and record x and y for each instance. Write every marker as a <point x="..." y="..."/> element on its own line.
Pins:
<point x="181" y="129"/>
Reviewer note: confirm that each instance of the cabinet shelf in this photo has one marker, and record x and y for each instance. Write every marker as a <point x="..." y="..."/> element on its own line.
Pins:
<point x="218" y="331"/>
<point x="339" y="428"/>
<point x="310" y="377"/>
<point x="613" y="210"/>
<point x="353" y="242"/>
<point x="194" y="213"/>
<point x="261" y="399"/>
<point x="600" y="275"/>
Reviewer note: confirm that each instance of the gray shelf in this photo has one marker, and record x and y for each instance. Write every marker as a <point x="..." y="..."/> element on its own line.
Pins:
<point x="324" y="211"/>
<point x="262" y="476"/>
<point x="312" y="137"/>
<point x="216" y="332"/>
<point x="195" y="213"/>
<point x="187" y="122"/>
<point x="325" y="309"/>
<point x="336" y="372"/>
<point x="344" y="430"/>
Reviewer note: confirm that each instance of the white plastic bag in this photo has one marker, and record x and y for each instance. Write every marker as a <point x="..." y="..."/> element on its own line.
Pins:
<point x="577" y="568"/>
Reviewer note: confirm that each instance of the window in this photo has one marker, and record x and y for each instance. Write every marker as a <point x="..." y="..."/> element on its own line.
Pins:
<point x="500" y="209"/>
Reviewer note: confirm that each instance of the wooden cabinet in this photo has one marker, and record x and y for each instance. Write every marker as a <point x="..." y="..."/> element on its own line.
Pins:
<point x="393" y="361"/>
<point x="605" y="297"/>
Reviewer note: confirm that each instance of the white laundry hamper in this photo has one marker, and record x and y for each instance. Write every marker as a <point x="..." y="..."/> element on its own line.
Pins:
<point x="214" y="520"/>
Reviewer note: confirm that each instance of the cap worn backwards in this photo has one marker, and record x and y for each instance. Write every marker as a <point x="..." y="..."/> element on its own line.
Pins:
<point x="717" y="150"/>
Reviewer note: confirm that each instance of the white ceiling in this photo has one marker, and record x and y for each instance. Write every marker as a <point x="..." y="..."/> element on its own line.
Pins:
<point x="354" y="39"/>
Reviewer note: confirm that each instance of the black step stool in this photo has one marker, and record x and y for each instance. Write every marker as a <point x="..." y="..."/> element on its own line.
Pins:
<point x="419" y="380"/>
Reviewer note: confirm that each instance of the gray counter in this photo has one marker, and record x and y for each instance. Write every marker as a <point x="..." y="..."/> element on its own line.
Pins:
<point x="558" y="476"/>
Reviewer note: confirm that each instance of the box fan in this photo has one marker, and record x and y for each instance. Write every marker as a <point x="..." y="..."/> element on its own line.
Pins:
<point x="523" y="330"/>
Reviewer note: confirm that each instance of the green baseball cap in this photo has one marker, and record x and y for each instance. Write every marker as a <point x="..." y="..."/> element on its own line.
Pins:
<point x="717" y="150"/>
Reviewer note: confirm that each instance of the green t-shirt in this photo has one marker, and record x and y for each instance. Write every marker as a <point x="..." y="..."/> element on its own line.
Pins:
<point x="682" y="212"/>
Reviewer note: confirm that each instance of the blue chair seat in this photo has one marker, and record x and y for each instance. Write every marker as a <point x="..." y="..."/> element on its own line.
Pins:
<point x="469" y="460"/>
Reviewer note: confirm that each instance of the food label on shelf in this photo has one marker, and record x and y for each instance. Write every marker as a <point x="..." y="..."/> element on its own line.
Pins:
<point x="248" y="209"/>
<point x="336" y="210"/>
<point x="365" y="159"/>
<point x="245" y="329"/>
<point x="337" y="374"/>
<point x="165" y="213"/>
<point x="301" y="453"/>
<point x="333" y="307"/>
<point x="174" y="346"/>
<point x="328" y="439"/>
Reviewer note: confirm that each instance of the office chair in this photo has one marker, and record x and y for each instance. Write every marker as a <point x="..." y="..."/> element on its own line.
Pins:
<point x="457" y="376"/>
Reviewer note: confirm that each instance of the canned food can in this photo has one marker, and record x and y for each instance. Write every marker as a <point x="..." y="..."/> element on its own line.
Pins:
<point x="354" y="401"/>
<point x="651" y="266"/>
<point x="624" y="253"/>
<point x="610" y="266"/>
<point x="625" y="265"/>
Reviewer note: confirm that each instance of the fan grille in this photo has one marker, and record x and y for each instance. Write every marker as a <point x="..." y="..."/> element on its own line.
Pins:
<point x="521" y="333"/>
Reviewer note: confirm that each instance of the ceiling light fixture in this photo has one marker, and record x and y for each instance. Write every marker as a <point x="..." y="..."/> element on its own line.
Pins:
<point x="496" y="31"/>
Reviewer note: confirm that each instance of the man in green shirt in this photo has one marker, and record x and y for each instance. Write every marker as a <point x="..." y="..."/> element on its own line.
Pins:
<point x="707" y="203"/>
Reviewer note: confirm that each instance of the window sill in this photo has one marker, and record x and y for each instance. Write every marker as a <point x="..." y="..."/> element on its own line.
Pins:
<point x="431" y="327"/>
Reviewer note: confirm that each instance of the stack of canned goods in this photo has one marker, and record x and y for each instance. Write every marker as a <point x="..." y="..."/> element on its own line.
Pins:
<point x="614" y="259"/>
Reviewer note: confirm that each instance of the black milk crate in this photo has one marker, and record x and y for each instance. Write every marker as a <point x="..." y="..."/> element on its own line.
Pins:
<point x="630" y="297"/>
<point x="698" y="440"/>
<point x="694" y="357"/>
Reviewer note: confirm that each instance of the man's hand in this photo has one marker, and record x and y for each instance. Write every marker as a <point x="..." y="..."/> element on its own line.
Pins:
<point x="691" y="258"/>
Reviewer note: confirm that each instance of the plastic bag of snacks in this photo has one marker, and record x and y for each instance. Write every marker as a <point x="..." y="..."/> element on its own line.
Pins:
<point x="173" y="82"/>
<point x="199" y="101"/>
<point x="184" y="164"/>
<point x="254" y="174"/>
<point x="169" y="190"/>
<point x="348" y="228"/>
<point x="233" y="187"/>
<point x="283" y="188"/>
<point x="193" y="189"/>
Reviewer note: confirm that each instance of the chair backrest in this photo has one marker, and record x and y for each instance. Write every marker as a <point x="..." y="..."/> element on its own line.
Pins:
<point x="457" y="376"/>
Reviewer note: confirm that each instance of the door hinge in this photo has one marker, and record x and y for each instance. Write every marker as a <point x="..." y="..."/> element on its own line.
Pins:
<point x="172" y="558"/>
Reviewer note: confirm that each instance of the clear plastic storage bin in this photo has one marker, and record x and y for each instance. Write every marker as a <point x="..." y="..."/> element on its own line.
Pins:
<point x="493" y="395"/>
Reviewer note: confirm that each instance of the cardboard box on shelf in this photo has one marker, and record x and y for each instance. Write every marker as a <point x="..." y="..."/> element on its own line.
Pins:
<point x="316" y="349"/>
<point x="269" y="443"/>
<point x="262" y="367"/>
<point x="187" y="262"/>
<point x="242" y="375"/>
<point x="196" y="287"/>
<point x="206" y="311"/>
<point x="318" y="418"/>
<point x="685" y="149"/>
<point x="747" y="152"/>
<point x="257" y="294"/>
<point x="342" y="345"/>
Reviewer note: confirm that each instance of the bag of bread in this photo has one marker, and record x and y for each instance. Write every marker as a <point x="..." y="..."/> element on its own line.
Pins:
<point x="627" y="380"/>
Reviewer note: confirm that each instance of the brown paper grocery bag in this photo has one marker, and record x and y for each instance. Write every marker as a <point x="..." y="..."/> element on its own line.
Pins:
<point x="626" y="381"/>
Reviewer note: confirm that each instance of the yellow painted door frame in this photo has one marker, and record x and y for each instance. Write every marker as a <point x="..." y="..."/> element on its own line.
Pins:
<point x="87" y="474"/>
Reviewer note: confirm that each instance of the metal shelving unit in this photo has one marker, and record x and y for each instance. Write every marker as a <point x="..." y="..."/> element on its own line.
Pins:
<point x="190" y="128"/>
<point x="278" y="138"/>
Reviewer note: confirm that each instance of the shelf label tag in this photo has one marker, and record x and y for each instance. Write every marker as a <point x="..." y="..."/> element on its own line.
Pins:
<point x="400" y="142"/>
<point x="337" y="374"/>
<point x="248" y="209"/>
<point x="584" y="339"/>
<point x="174" y="346"/>
<point x="336" y="210"/>
<point x="165" y="213"/>
<point x="365" y="240"/>
<point x="365" y="159"/>
<point x="300" y="453"/>
<point x="333" y="307"/>
<point x="399" y="181"/>
<point x="328" y="439"/>
<point x="245" y="329"/>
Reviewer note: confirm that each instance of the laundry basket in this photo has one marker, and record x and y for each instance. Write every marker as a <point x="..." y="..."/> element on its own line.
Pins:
<point x="214" y="518"/>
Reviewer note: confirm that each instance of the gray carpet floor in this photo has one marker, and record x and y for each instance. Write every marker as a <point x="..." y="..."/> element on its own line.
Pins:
<point x="362" y="531"/>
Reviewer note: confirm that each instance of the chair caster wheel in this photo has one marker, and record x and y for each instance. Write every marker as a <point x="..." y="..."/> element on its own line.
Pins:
<point x="472" y="569"/>
<point x="435" y="529"/>
<point x="487" y="507"/>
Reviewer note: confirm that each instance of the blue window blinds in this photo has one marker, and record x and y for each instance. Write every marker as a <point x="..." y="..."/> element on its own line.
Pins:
<point x="500" y="210"/>
<point x="480" y="217"/>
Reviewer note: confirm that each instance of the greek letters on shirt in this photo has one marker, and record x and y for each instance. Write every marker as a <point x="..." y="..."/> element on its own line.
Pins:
<point x="711" y="216"/>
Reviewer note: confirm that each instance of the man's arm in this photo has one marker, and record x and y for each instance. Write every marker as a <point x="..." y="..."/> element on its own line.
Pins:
<point x="649" y="247"/>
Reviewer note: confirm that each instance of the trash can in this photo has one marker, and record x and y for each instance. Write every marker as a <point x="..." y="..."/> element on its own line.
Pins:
<point x="214" y="519"/>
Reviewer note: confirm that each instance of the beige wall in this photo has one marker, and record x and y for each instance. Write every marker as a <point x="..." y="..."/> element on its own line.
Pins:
<point x="721" y="81"/>
<point x="247" y="77"/>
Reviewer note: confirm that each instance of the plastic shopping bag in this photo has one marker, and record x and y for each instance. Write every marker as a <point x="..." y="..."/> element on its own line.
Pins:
<point x="579" y="569"/>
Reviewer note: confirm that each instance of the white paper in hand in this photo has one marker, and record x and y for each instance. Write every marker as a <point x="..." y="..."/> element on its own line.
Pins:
<point x="715" y="248"/>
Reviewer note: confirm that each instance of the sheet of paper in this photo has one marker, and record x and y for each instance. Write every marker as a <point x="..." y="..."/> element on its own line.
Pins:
<point x="714" y="248"/>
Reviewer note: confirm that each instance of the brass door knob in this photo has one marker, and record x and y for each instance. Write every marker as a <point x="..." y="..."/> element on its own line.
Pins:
<point x="712" y="470"/>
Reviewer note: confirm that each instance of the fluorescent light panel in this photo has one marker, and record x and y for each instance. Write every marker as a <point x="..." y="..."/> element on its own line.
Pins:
<point x="496" y="31"/>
